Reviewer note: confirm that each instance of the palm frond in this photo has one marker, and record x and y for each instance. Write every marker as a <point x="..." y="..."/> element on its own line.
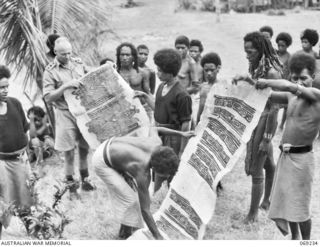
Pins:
<point x="61" y="16"/>
<point x="82" y="21"/>
<point x="22" y="23"/>
<point x="21" y="44"/>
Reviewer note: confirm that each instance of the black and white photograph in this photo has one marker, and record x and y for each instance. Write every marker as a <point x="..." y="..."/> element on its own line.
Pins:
<point x="159" y="120"/>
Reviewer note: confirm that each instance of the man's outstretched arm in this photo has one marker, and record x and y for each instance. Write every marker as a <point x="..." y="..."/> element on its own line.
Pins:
<point x="308" y="93"/>
<point x="145" y="201"/>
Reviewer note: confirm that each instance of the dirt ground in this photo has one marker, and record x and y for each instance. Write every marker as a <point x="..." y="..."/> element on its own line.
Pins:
<point x="156" y="24"/>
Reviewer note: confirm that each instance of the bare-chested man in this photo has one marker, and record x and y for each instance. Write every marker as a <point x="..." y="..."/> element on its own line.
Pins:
<point x="309" y="38"/>
<point x="195" y="51"/>
<point x="188" y="74"/>
<point x="211" y="63"/>
<point x="127" y="66"/>
<point x="267" y="32"/>
<point x="143" y="53"/>
<point x="284" y="40"/>
<point x="263" y="63"/>
<point x="291" y="193"/>
<point x="124" y="164"/>
<point x="196" y="48"/>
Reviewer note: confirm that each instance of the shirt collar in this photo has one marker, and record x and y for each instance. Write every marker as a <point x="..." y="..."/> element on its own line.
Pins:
<point x="60" y="64"/>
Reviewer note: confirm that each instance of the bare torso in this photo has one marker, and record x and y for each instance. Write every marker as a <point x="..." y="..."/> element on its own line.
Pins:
<point x="184" y="74"/>
<point x="135" y="79"/>
<point x="132" y="154"/>
<point x="284" y="57"/>
<point x="151" y="76"/>
<point x="303" y="121"/>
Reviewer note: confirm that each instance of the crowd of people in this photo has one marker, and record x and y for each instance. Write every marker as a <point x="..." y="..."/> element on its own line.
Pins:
<point x="128" y="164"/>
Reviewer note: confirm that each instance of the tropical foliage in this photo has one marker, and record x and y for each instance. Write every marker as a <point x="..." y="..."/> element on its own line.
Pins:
<point x="25" y="23"/>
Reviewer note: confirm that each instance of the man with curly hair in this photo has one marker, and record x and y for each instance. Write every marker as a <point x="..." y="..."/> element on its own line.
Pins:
<point x="196" y="48"/>
<point x="124" y="165"/>
<point x="211" y="64"/>
<point x="309" y="38"/>
<point x="188" y="73"/>
<point x="284" y="40"/>
<point x="143" y="53"/>
<point x="291" y="193"/>
<point x="14" y="165"/>
<point x="172" y="105"/>
<point x="263" y="63"/>
<point x="267" y="32"/>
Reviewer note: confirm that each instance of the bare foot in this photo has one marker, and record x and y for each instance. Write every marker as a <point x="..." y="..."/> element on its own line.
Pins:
<point x="265" y="205"/>
<point x="251" y="218"/>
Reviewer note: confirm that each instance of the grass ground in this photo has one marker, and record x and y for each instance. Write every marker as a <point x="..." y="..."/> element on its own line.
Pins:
<point x="156" y="24"/>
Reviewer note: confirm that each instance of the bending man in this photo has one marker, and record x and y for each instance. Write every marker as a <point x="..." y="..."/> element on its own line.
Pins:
<point x="124" y="164"/>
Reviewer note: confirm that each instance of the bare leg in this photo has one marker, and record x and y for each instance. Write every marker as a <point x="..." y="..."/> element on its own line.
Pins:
<point x="305" y="229"/>
<point x="256" y="194"/>
<point x="256" y="190"/>
<point x="269" y="168"/>
<point x="294" y="227"/>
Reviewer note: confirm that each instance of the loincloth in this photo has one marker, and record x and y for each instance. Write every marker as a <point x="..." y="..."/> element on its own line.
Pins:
<point x="291" y="192"/>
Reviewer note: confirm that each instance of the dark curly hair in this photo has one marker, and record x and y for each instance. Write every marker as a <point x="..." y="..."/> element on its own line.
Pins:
<point x="311" y="35"/>
<point x="267" y="29"/>
<point x="211" y="57"/>
<point x="164" y="160"/>
<point x="264" y="47"/>
<point x="37" y="110"/>
<point x="286" y="37"/>
<point x="182" y="40"/>
<point x="4" y="72"/>
<point x="50" y="43"/>
<point x="196" y="42"/>
<point x="301" y="60"/>
<point x="134" y="54"/>
<point x="168" y="60"/>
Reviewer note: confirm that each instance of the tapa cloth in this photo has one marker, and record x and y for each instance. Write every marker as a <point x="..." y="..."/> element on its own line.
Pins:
<point x="291" y="192"/>
<point x="124" y="200"/>
<point x="13" y="184"/>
